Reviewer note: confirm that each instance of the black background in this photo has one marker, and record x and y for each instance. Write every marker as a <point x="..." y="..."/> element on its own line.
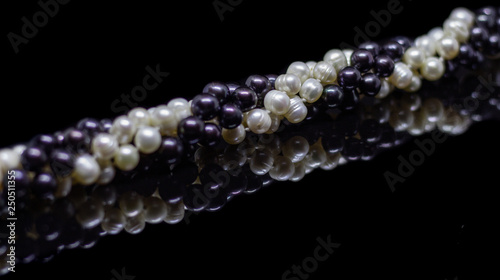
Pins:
<point x="90" y="53"/>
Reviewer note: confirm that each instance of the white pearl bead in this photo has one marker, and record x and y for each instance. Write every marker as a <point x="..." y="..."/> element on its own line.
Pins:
<point x="107" y="172"/>
<point x="131" y="203"/>
<point x="433" y="108"/>
<point x="348" y="54"/>
<point x="415" y="85"/>
<point x="135" y="224"/>
<point x="427" y="44"/>
<point x="235" y="135"/>
<point x="261" y="162"/>
<point x="414" y="57"/>
<point x="175" y="212"/>
<point x="297" y="111"/>
<point x="447" y="47"/>
<point x="300" y="69"/>
<point x="182" y="112"/>
<point x="127" y="157"/>
<point x="401" y="77"/>
<point x="114" y="221"/>
<point x="86" y="170"/>
<point x="288" y="83"/>
<point x="258" y="121"/>
<point x="436" y="33"/>
<point x="457" y="29"/>
<point x="147" y="139"/>
<point x="283" y="169"/>
<point x="432" y="69"/>
<point x="10" y="159"/>
<point x="325" y="72"/>
<point x="385" y="89"/>
<point x="177" y="103"/>
<point x="139" y="116"/>
<point x="275" y="123"/>
<point x="337" y="58"/>
<point x="311" y="90"/>
<point x="104" y="145"/>
<point x="155" y="210"/>
<point x="310" y="65"/>
<point x="464" y="15"/>
<point x="401" y="119"/>
<point x="277" y="102"/>
<point x="124" y="129"/>
<point x="299" y="172"/>
<point x="164" y="118"/>
<point x="296" y="148"/>
<point x="90" y="213"/>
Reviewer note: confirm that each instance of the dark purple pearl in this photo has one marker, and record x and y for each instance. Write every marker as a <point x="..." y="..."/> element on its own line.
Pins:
<point x="370" y="130"/>
<point x="22" y="182"/>
<point x="231" y="87"/>
<point x="353" y="149"/>
<point x="404" y="41"/>
<point x="211" y="135"/>
<point x="45" y="141"/>
<point x="245" y="98"/>
<point x="44" y="185"/>
<point x="362" y="60"/>
<point x="90" y="126"/>
<point x="272" y="78"/>
<point x="393" y="50"/>
<point x="196" y="198"/>
<point x="218" y="90"/>
<point x="62" y="162"/>
<point x="76" y="140"/>
<point x="479" y="37"/>
<point x="48" y="226"/>
<point x="384" y="65"/>
<point x="492" y="47"/>
<point x="466" y="54"/>
<point x="106" y="124"/>
<point x="333" y="143"/>
<point x="213" y="173"/>
<point x="351" y="99"/>
<point x="333" y="95"/>
<point x="191" y="130"/>
<point x="33" y="158"/>
<point x="173" y="191"/>
<point x="370" y="84"/>
<point x="230" y="116"/>
<point x="171" y="150"/>
<point x="372" y="47"/>
<point x="349" y="77"/>
<point x="205" y="106"/>
<point x="486" y="17"/>
<point x="313" y="110"/>
<point x="260" y="84"/>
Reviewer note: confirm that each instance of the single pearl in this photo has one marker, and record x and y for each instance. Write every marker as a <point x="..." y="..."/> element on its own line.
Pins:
<point x="177" y="103"/>
<point x="415" y="85"/>
<point x="432" y="69"/>
<point x="411" y="101"/>
<point x="114" y="221"/>
<point x="401" y="77"/>
<point x="108" y="172"/>
<point x="427" y="44"/>
<point x="436" y="33"/>
<point x="464" y="15"/>
<point x="385" y="89"/>
<point x="296" y="148"/>
<point x="104" y="146"/>
<point x="10" y="159"/>
<point x="164" y="118"/>
<point x="311" y="90"/>
<point x="90" y="213"/>
<point x="136" y="224"/>
<point x="401" y="119"/>
<point x="175" y="212"/>
<point x="297" y="111"/>
<point x="434" y="109"/>
<point x="419" y="122"/>
<point x="325" y="72"/>
<point x="147" y="139"/>
<point x="261" y="162"/>
<point x="447" y="47"/>
<point x="414" y="57"/>
<point x="86" y="170"/>
<point x="283" y="169"/>
<point x="348" y="54"/>
<point x="300" y="69"/>
<point x="288" y="83"/>
<point x="155" y="210"/>
<point x="337" y="58"/>
<point x="457" y="29"/>
<point x="127" y="157"/>
<point x="235" y="135"/>
<point x="258" y="121"/>
<point x="131" y="203"/>
<point x="139" y="116"/>
<point x="277" y="102"/>
<point x="124" y="129"/>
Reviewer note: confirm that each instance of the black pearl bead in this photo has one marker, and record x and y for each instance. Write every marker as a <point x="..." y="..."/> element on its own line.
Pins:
<point x="272" y="79"/>
<point x="333" y="95"/>
<point x="191" y="130"/>
<point x="171" y="150"/>
<point x="394" y="50"/>
<point x="466" y="54"/>
<point x="205" y="106"/>
<point x="313" y="111"/>
<point x="76" y="140"/>
<point x="370" y="84"/>
<point x="333" y="143"/>
<point x="387" y="136"/>
<point x="384" y="65"/>
<point x="173" y="191"/>
<point x="370" y="131"/>
<point x="44" y="141"/>
<point x="404" y="41"/>
<point x="492" y="47"/>
<point x="48" y="226"/>
<point x="71" y="234"/>
<point x="353" y="149"/>
<point x="258" y="83"/>
<point x="211" y="135"/>
<point x="62" y="162"/>
<point x="63" y="208"/>
<point x="372" y="47"/>
<point x="33" y="158"/>
<point x="185" y="172"/>
<point x="351" y="99"/>
<point x="22" y="183"/>
<point x="362" y="60"/>
<point x="230" y="116"/>
<point x="245" y="98"/>
<point x="196" y="198"/>
<point x="479" y="37"/>
<point x="106" y="125"/>
<point x="218" y="90"/>
<point x="486" y="17"/>
<point x="44" y="185"/>
<point x="349" y="77"/>
<point x="90" y="126"/>
<point x="214" y="173"/>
